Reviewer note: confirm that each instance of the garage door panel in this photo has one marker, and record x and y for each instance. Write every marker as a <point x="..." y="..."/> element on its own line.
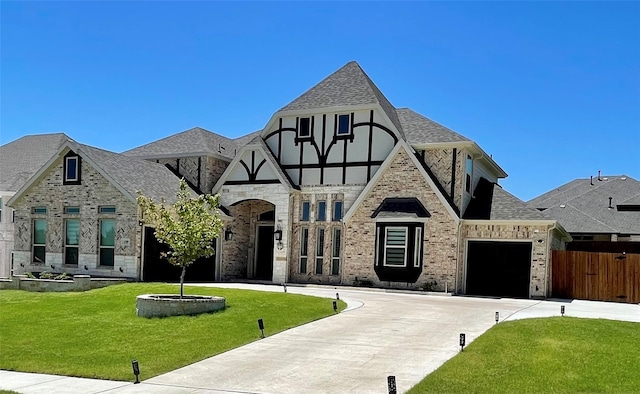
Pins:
<point x="499" y="269"/>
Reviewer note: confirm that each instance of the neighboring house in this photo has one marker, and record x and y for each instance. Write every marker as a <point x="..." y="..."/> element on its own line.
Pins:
<point x="19" y="160"/>
<point x="340" y="187"/>
<point x="601" y="213"/>
<point x="78" y="212"/>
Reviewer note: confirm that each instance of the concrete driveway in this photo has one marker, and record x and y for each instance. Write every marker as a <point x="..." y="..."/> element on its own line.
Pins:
<point x="380" y="334"/>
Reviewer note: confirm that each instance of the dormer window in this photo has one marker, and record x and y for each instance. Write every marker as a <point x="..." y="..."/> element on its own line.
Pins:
<point x="72" y="169"/>
<point x="304" y="129"/>
<point x="344" y="125"/>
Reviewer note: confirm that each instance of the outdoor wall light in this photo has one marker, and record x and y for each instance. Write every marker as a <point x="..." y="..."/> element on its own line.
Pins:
<point x="86" y="268"/>
<point x="228" y="234"/>
<point x="136" y="370"/>
<point x="140" y="223"/>
<point x="52" y="266"/>
<point x="278" y="234"/>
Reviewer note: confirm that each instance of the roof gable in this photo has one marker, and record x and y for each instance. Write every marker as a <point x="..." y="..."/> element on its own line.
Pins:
<point x="402" y="145"/>
<point x="127" y="174"/>
<point x="348" y="86"/>
<point x="22" y="158"/>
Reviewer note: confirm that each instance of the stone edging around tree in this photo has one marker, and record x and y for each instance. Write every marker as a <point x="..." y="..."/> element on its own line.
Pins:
<point x="163" y="305"/>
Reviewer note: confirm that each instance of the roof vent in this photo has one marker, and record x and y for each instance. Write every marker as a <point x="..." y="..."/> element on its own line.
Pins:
<point x="562" y="205"/>
<point x="610" y="206"/>
<point x="591" y="182"/>
<point x="605" y="179"/>
<point x="599" y="179"/>
<point x="624" y="178"/>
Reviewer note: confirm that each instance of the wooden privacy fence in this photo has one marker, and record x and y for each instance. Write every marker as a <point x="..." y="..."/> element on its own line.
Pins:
<point x="596" y="276"/>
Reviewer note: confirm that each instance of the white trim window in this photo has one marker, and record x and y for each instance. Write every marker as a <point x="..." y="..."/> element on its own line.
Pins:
<point x="344" y="125"/>
<point x="304" y="249"/>
<point x="71" y="170"/>
<point x="39" y="244"/>
<point x="417" y="248"/>
<point x="395" y="246"/>
<point x="71" y="241"/>
<point x="336" y="250"/>
<point x="321" y="214"/>
<point x="107" y="242"/>
<point x="319" y="250"/>
<point x="304" y="128"/>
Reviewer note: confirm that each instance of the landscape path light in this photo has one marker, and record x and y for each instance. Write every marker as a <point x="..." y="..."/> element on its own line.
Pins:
<point x="391" y="384"/>
<point x="261" y="327"/>
<point x="463" y="341"/>
<point x="136" y="370"/>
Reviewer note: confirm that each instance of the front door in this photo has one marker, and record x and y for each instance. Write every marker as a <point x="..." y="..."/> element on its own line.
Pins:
<point x="264" y="255"/>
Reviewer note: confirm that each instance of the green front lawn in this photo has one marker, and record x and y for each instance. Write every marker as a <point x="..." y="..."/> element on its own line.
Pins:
<point x="553" y="355"/>
<point x="96" y="334"/>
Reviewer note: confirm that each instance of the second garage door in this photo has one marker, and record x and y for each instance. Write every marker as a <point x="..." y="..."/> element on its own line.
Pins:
<point x="498" y="269"/>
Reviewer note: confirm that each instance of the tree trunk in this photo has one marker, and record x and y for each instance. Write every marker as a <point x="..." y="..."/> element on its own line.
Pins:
<point x="184" y="270"/>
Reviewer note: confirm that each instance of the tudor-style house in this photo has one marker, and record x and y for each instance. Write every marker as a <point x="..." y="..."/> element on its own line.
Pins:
<point x="339" y="187"/>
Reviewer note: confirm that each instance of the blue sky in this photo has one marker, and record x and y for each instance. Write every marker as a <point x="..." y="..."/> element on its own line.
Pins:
<point x="550" y="89"/>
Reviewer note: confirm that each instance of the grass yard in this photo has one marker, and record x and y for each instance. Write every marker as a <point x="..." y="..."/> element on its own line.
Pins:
<point x="96" y="334"/>
<point x="552" y="355"/>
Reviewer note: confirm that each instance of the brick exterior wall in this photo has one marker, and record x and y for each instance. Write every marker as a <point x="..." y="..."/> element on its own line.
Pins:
<point x="440" y="233"/>
<point x="540" y="252"/>
<point x="94" y="191"/>
<point x="440" y="162"/>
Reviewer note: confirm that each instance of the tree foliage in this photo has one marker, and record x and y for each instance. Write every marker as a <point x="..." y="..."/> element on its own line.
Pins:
<point x="189" y="226"/>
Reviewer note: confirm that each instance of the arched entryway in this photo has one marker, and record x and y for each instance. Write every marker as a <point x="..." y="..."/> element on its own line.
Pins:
<point x="249" y="254"/>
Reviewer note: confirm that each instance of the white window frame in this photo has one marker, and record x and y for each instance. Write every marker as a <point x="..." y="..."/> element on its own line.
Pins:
<point x="67" y="246"/>
<point x="417" y="248"/>
<point x="338" y="133"/>
<point x="320" y="243"/>
<point x="386" y="233"/>
<point x="336" y="259"/>
<point x="321" y="203"/>
<point x="304" y="250"/>
<point x="302" y="206"/>
<point x="335" y="218"/>
<point x="300" y="127"/>
<point x="34" y="244"/>
<point x="67" y="160"/>
<point x="100" y="246"/>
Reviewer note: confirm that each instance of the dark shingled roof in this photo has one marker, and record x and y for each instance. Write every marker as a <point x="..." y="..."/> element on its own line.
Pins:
<point x="492" y="202"/>
<point x="421" y="130"/>
<point x="195" y="141"/>
<point x="584" y="208"/>
<point x="350" y="85"/>
<point x="22" y="158"/>
<point x="132" y="174"/>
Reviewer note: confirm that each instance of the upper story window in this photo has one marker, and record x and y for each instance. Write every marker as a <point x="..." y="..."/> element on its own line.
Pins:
<point x="106" y="209"/>
<point x="467" y="185"/>
<point x="304" y="217"/>
<point x="344" y="125"/>
<point x="337" y="211"/>
<point x="304" y="128"/>
<point x="71" y="169"/>
<point x="321" y="215"/>
<point x="39" y="210"/>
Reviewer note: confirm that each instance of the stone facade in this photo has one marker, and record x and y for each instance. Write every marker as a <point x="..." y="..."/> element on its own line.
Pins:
<point x="440" y="162"/>
<point x="94" y="191"/>
<point x="440" y="230"/>
<point x="235" y="256"/>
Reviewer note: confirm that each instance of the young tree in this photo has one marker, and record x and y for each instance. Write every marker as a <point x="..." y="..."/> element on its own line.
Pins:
<point x="189" y="226"/>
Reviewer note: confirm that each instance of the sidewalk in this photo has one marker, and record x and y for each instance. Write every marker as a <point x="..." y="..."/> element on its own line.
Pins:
<point x="380" y="334"/>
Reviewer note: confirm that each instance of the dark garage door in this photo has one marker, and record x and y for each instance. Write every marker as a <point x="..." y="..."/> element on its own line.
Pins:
<point x="498" y="269"/>
<point x="157" y="269"/>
